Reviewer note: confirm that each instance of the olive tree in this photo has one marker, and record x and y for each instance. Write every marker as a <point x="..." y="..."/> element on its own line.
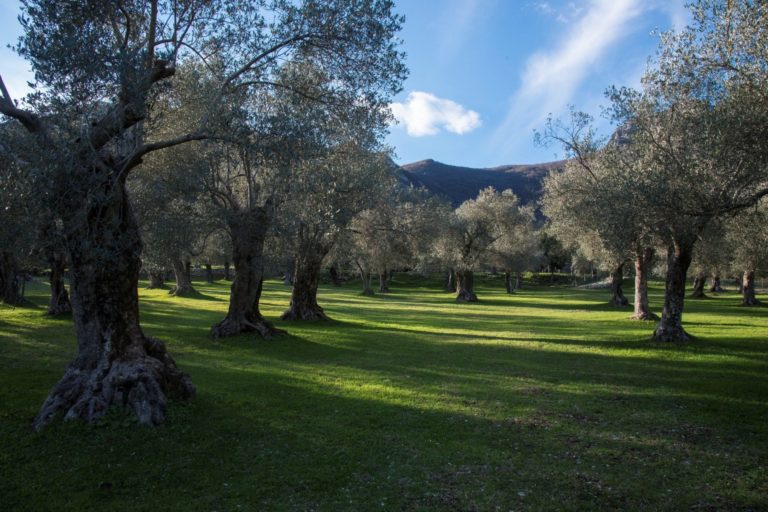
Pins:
<point x="99" y="66"/>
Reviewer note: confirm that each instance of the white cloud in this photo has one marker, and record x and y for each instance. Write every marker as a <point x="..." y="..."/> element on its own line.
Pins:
<point x="551" y="78"/>
<point x="426" y="114"/>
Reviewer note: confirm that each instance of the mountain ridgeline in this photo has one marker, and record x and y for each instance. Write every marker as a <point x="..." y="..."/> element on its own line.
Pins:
<point x="461" y="183"/>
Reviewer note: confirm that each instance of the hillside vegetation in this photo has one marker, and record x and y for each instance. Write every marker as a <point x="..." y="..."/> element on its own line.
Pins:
<point x="545" y="399"/>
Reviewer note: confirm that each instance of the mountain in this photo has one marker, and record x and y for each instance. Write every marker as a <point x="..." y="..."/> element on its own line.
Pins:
<point x="461" y="183"/>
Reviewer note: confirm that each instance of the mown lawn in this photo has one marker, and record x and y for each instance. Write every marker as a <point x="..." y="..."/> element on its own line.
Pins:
<point x="544" y="400"/>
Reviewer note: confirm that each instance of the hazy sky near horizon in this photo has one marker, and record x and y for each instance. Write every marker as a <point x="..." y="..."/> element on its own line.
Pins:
<point x="484" y="74"/>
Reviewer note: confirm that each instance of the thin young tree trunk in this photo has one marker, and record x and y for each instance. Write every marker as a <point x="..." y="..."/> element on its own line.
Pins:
<point x="450" y="282"/>
<point x="10" y="289"/>
<point x="643" y="260"/>
<point x="716" y="286"/>
<point x="465" y="286"/>
<point x="306" y="280"/>
<point x="617" y="294"/>
<point x="156" y="279"/>
<point x="748" y="297"/>
<point x="248" y="230"/>
<point x="183" y="287"/>
<point x="384" y="282"/>
<point x="335" y="279"/>
<point x="670" y="327"/>
<point x="59" y="303"/>
<point x="116" y="363"/>
<point x="208" y="273"/>
<point x="698" y="285"/>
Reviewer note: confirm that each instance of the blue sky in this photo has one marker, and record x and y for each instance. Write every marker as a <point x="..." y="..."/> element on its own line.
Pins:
<point x="485" y="73"/>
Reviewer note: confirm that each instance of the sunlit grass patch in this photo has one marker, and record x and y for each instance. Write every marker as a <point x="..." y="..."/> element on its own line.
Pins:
<point x="547" y="399"/>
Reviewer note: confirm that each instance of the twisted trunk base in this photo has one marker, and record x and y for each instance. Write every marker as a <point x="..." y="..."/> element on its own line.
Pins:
<point x="465" y="283"/>
<point x="617" y="294"/>
<point x="643" y="260"/>
<point x="116" y="364"/>
<point x="384" y="282"/>
<point x="450" y="281"/>
<point x="10" y="280"/>
<point x="698" y="286"/>
<point x="183" y="286"/>
<point x="670" y="327"/>
<point x="248" y="230"/>
<point x="59" y="303"/>
<point x="748" y="297"/>
<point x="156" y="280"/>
<point x="306" y="280"/>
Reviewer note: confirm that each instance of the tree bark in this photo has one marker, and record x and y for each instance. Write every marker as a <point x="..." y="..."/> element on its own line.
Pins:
<point x="643" y="260"/>
<point x="450" y="281"/>
<point x="289" y="273"/>
<point x="116" y="363"/>
<point x="335" y="279"/>
<point x="365" y="277"/>
<point x="617" y="294"/>
<point x="183" y="287"/>
<point x="188" y="270"/>
<point x="698" y="285"/>
<point x="208" y="273"/>
<point x="670" y="327"/>
<point x="748" y="297"/>
<point x="227" y="276"/>
<point x="10" y="280"/>
<point x="248" y="230"/>
<point x="508" y="282"/>
<point x="716" y="286"/>
<point x="306" y="280"/>
<point x="465" y="286"/>
<point x="59" y="303"/>
<point x="384" y="282"/>
<point x="156" y="280"/>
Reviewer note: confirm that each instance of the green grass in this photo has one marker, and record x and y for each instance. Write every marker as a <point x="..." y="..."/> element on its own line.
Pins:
<point x="544" y="400"/>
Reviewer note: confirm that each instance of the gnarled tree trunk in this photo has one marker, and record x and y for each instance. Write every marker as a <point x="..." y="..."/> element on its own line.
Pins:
<point x="10" y="280"/>
<point x="365" y="278"/>
<point x="450" y="281"/>
<point x="384" y="281"/>
<point x="306" y="280"/>
<point x="748" y="297"/>
<point x="335" y="279"/>
<point x="617" y="279"/>
<point x="116" y="363"/>
<point x="156" y="279"/>
<point x="248" y="230"/>
<point x="183" y="287"/>
<point x="670" y="327"/>
<point x="465" y="286"/>
<point x="643" y="260"/>
<point x="289" y="272"/>
<point x="698" y="285"/>
<point x="59" y="303"/>
<point x="715" y="285"/>
<point x="510" y="287"/>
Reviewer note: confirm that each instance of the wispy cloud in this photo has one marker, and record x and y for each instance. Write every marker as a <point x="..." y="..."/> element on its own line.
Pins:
<point x="551" y="78"/>
<point x="426" y="114"/>
<point x="565" y="14"/>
